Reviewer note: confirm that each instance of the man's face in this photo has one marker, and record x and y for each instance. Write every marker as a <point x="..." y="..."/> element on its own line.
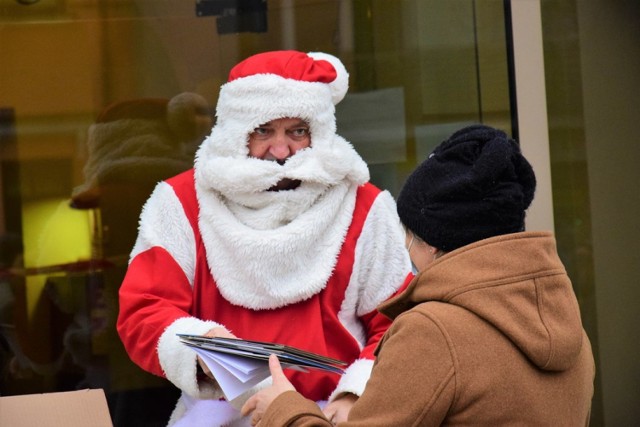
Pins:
<point x="279" y="139"/>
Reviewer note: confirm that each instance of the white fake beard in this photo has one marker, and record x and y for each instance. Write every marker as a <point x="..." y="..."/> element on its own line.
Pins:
<point x="267" y="249"/>
<point x="241" y="183"/>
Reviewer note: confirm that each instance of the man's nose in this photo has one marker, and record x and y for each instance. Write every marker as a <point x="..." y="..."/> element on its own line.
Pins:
<point x="280" y="149"/>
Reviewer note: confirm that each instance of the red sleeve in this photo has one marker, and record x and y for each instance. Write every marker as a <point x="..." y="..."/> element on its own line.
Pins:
<point x="155" y="293"/>
<point x="377" y="324"/>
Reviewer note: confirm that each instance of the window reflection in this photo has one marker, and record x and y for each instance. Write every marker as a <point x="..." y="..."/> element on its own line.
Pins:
<point x="108" y="98"/>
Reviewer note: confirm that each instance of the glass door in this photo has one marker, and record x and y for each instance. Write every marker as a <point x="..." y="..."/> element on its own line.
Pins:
<point x="100" y="100"/>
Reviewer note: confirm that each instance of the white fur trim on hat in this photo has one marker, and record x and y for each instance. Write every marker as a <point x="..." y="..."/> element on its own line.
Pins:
<point x="340" y="85"/>
<point x="247" y="103"/>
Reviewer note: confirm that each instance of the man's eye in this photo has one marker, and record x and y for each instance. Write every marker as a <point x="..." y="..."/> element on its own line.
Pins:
<point x="261" y="133"/>
<point x="300" y="132"/>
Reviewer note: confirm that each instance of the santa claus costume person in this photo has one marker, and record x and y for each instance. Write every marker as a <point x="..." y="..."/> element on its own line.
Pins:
<point x="274" y="235"/>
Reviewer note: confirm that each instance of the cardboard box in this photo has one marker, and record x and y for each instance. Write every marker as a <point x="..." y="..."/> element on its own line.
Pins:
<point x="81" y="408"/>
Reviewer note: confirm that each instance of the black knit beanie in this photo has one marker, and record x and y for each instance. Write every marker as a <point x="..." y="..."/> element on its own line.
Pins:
<point x="474" y="185"/>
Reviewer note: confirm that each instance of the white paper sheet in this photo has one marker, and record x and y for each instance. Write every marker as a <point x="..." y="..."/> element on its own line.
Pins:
<point x="234" y="374"/>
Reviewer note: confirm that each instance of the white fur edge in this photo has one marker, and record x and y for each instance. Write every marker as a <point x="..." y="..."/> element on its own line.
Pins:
<point x="178" y="412"/>
<point x="381" y="259"/>
<point x="262" y="279"/>
<point x="246" y="103"/>
<point x="378" y="269"/>
<point x="340" y="85"/>
<point x="178" y="361"/>
<point x="354" y="379"/>
<point x="381" y="264"/>
<point x="161" y="213"/>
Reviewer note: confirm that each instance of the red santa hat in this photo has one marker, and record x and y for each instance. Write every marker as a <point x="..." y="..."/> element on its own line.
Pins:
<point x="273" y="85"/>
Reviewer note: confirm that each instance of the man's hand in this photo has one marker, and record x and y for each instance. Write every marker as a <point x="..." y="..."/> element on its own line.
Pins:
<point x="217" y="332"/>
<point x="338" y="410"/>
<point x="258" y="403"/>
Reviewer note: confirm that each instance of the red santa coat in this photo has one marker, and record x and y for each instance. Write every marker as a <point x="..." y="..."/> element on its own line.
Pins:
<point x="164" y="294"/>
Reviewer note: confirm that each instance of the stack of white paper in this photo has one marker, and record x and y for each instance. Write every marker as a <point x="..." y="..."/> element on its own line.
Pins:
<point x="234" y="374"/>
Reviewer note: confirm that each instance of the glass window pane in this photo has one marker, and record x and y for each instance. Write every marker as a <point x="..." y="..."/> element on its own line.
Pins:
<point x="101" y="100"/>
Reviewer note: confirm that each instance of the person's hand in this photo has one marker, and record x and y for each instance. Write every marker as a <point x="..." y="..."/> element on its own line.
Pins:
<point x="337" y="411"/>
<point x="217" y="332"/>
<point x="258" y="403"/>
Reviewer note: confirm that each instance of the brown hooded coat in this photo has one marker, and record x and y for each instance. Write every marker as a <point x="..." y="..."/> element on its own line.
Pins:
<point x="489" y="334"/>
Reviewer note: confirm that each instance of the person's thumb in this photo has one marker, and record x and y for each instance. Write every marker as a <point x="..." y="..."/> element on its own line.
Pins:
<point x="277" y="374"/>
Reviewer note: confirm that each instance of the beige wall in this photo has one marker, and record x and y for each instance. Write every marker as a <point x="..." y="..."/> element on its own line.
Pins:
<point x="532" y="108"/>
<point x="610" y="64"/>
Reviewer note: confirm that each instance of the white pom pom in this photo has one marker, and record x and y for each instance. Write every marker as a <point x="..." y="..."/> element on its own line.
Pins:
<point x="340" y="85"/>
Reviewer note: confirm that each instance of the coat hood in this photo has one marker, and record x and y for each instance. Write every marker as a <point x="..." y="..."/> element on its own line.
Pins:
<point x="515" y="282"/>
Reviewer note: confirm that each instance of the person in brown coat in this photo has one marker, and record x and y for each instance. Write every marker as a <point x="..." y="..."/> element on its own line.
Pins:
<point x="489" y="331"/>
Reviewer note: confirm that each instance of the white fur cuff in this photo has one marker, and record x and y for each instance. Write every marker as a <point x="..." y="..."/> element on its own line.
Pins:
<point x="178" y="361"/>
<point x="354" y="379"/>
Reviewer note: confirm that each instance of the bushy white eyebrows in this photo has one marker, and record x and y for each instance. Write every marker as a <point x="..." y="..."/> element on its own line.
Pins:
<point x="300" y="123"/>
